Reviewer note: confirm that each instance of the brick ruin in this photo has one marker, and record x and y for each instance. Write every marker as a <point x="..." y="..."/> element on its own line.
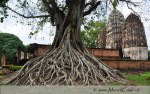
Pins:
<point x="102" y="39"/>
<point x="3" y="58"/>
<point x="114" y="30"/>
<point x="133" y="34"/>
<point x="127" y="35"/>
<point x="35" y="50"/>
<point x="134" y="39"/>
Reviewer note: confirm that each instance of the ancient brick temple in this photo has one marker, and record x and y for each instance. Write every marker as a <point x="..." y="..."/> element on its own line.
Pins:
<point x="134" y="38"/>
<point x="114" y="30"/>
<point x="126" y="34"/>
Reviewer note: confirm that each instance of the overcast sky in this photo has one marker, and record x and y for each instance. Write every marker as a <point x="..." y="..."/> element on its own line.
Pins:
<point x="22" y="31"/>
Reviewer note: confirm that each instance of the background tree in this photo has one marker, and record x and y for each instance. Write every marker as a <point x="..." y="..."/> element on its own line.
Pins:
<point x="90" y="33"/>
<point x="10" y="44"/>
<point x="67" y="62"/>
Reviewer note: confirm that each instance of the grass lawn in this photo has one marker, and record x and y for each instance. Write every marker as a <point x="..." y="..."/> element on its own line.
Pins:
<point x="139" y="79"/>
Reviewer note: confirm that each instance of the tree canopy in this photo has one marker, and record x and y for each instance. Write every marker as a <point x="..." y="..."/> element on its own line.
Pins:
<point x="45" y="10"/>
<point x="10" y="44"/>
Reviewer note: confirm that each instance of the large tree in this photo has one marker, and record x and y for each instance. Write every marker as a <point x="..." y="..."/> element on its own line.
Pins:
<point x="67" y="62"/>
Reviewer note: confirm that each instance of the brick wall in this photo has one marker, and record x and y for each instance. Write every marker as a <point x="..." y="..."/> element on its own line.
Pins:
<point x="3" y="59"/>
<point x="98" y="52"/>
<point x="35" y="50"/>
<point x="105" y="53"/>
<point x="128" y="64"/>
<point x="42" y="49"/>
<point x="108" y="54"/>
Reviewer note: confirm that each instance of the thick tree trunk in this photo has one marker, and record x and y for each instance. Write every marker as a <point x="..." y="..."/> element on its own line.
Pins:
<point x="68" y="62"/>
<point x="73" y="21"/>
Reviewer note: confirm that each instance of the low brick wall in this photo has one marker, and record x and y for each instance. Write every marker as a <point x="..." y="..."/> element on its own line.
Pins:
<point x="128" y="64"/>
<point x="105" y="53"/>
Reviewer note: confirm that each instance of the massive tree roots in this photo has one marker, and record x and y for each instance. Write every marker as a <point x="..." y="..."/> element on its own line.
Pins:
<point x="66" y="65"/>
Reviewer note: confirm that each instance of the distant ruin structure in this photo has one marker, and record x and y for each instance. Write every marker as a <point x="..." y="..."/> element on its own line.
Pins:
<point x="35" y="50"/>
<point x="114" y="30"/>
<point x="134" y="39"/>
<point x="127" y="35"/>
<point x="3" y="58"/>
<point x="20" y="56"/>
<point x="102" y="39"/>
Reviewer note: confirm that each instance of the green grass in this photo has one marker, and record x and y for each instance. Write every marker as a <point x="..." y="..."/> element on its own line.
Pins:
<point x="1" y="76"/>
<point x="15" y="68"/>
<point x="12" y="67"/>
<point x="141" y="79"/>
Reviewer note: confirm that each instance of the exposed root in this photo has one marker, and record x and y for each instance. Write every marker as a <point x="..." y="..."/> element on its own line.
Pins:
<point x="66" y="66"/>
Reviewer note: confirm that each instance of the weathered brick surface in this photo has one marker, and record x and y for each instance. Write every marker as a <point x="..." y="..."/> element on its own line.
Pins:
<point x="109" y="53"/>
<point x="128" y="64"/>
<point x="114" y="30"/>
<point x="42" y="49"/>
<point x="3" y="59"/>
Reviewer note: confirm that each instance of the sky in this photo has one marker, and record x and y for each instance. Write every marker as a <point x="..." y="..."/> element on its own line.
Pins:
<point x="10" y="25"/>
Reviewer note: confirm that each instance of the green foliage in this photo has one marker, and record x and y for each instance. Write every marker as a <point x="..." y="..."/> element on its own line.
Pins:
<point x="115" y="3"/>
<point x="3" y="3"/>
<point x="136" y="79"/>
<point x="12" y="67"/>
<point x="90" y="34"/>
<point x="10" y="43"/>
<point x="3" y="10"/>
<point x="15" y="68"/>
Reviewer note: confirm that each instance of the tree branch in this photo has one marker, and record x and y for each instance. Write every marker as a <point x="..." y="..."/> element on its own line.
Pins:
<point x="90" y="3"/>
<point x="55" y="13"/>
<point x="92" y="8"/>
<point x="128" y="1"/>
<point x="133" y="10"/>
<point x="133" y="3"/>
<point x="49" y="10"/>
<point x="24" y="16"/>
